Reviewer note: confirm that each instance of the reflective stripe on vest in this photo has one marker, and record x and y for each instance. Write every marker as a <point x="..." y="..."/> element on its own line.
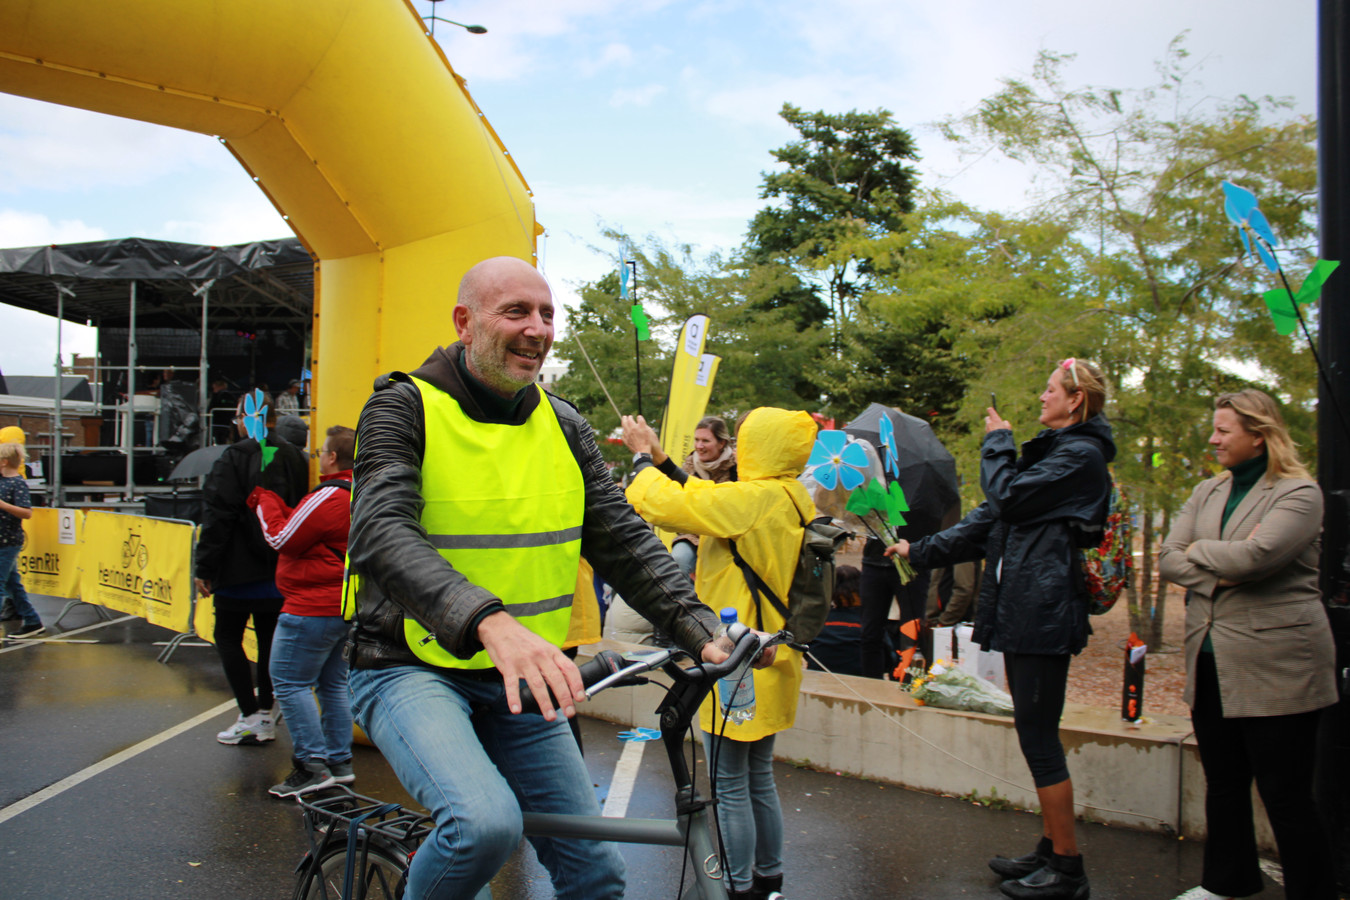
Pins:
<point x="503" y="504"/>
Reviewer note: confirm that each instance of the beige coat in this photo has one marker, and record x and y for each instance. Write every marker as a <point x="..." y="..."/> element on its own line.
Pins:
<point x="1272" y="642"/>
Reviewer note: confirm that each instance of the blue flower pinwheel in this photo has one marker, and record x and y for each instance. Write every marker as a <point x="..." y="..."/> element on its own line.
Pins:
<point x="835" y="460"/>
<point x="1240" y="206"/>
<point x="255" y="415"/>
<point x="889" y="460"/>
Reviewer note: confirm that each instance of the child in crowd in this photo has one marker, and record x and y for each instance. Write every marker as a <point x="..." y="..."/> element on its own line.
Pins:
<point x="15" y="506"/>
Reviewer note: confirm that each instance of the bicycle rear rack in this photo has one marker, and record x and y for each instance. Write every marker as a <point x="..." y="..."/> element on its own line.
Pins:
<point x="342" y="807"/>
<point x="342" y="819"/>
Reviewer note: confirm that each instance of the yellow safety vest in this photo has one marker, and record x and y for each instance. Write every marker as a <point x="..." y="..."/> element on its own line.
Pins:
<point x="503" y="504"/>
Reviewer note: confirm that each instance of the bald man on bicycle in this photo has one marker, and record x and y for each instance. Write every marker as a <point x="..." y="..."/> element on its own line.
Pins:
<point x="475" y="494"/>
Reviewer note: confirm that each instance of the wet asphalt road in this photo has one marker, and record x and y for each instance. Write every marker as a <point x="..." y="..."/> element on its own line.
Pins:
<point x="114" y="787"/>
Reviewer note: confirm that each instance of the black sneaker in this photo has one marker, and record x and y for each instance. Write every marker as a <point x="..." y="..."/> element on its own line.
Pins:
<point x="303" y="779"/>
<point x="342" y="772"/>
<point x="28" y="631"/>
<point x="1049" y="883"/>
<point x="1022" y="866"/>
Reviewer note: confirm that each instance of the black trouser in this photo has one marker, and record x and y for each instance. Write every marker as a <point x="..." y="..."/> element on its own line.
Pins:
<point x="1037" y="684"/>
<point x="1278" y="752"/>
<point x="229" y="637"/>
<point x="881" y="582"/>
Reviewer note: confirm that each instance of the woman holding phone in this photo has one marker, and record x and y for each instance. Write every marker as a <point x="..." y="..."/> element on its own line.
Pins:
<point x="1040" y="508"/>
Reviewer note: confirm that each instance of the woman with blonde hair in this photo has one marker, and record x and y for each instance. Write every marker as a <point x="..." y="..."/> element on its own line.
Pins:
<point x="1259" y="652"/>
<point x="1040" y="509"/>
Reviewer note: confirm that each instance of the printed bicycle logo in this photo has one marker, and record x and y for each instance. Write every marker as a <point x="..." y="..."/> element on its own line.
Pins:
<point x="132" y="548"/>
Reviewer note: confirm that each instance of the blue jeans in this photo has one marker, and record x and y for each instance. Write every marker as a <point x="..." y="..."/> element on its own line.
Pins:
<point x="686" y="557"/>
<point x="460" y="753"/>
<point x="748" y="813"/>
<point x="307" y="653"/>
<point x="12" y="586"/>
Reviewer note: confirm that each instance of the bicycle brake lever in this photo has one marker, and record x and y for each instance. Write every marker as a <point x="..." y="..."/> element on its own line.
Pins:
<point x="641" y="665"/>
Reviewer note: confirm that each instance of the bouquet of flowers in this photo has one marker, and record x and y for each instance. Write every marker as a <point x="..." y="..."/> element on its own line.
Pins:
<point x="950" y="687"/>
<point x="852" y="487"/>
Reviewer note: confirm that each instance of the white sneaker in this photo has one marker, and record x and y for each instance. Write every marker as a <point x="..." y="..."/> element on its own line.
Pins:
<point x="254" y="729"/>
<point x="1199" y="893"/>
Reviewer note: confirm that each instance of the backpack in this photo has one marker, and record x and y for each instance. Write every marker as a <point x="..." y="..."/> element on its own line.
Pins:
<point x="1108" y="557"/>
<point x="812" y="589"/>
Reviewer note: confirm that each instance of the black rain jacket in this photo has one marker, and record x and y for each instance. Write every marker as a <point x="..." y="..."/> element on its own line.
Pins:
<point x="402" y="573"/>
<point x="231" y="549"/>
<point x="1029" y="531"/>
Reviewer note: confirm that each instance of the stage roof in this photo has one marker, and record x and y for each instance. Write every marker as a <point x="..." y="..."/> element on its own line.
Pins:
<point x="266" y="283"/>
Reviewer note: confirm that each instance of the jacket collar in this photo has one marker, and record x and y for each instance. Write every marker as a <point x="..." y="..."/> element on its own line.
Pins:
<point x="443" y="369"/>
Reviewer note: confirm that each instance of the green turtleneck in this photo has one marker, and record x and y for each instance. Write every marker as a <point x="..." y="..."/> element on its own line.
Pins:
<point x="1244" y="476"/>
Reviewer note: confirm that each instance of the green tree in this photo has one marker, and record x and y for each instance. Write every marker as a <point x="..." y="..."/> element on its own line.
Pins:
<point x="1175" y="313"/>
<point x="766" y="359"/>
<point x="934" y="322"/>
<point x="849" y="177"/>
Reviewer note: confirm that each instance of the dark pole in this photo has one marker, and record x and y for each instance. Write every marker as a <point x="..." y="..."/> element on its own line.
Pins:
<point x="1333" y="454"/>
<point x="637" y="341"/>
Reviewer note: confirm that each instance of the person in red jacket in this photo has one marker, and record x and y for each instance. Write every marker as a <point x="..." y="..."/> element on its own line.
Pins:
<point x="311" y="543"/>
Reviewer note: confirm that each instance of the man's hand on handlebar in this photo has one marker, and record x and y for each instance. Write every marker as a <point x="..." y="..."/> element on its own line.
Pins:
<point x="519" y="653"/>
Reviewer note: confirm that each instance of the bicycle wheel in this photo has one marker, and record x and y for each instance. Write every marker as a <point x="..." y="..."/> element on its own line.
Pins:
<point x="379" y="872"/>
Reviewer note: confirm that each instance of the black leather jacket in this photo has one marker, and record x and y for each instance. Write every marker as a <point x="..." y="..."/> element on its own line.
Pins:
<point x="401" y="573"/>
<point x="1033" y="598"/>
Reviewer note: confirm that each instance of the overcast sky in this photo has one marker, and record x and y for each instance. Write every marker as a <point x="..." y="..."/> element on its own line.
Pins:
<point x="650" y="116"/>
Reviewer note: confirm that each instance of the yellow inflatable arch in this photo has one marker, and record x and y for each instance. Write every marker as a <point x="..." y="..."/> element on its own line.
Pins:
<point x="348" y="117"/>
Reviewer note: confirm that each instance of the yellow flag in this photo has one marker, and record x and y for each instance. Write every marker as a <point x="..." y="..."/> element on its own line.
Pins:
<point x="691" y="381"/>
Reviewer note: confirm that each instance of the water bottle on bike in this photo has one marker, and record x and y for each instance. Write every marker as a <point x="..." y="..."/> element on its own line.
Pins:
<point x="736" y="691"/>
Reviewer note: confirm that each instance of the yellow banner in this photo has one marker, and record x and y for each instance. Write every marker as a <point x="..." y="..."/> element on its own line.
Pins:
<point x="140" y="566"/>
<point x="50" y="560"/>
<point x="691" y="381"/>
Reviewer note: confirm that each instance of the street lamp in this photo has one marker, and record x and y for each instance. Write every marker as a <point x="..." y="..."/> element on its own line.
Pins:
<point x="433" y="19"/>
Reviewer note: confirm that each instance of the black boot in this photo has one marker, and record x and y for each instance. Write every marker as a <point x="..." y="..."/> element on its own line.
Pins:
<point x="1023" y="866"/>
<point x="766" y="886"/>
<point x="1062" y="878"/>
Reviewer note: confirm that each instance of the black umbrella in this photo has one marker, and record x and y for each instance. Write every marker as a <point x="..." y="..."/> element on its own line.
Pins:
<point x="197" y="463"/>
<point x="927" y="470"/>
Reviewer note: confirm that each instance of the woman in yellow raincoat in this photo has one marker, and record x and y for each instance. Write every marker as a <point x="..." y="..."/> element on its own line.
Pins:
<point x="763" y="513"/>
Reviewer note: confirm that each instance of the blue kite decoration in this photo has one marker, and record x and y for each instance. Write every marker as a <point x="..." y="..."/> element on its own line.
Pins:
<point x="255" y="424"/>
<point x="889" y="460"/>
<point x="1242" y="209"/>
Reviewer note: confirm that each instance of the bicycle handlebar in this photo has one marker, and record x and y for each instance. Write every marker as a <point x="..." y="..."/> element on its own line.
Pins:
<point x="609" y="668"/>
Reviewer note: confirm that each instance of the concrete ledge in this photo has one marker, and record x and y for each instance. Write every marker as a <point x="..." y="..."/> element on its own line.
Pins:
<point x="1146" y="777"/>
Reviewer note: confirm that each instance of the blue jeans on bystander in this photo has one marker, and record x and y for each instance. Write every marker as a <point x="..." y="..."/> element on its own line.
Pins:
<point x="307" y="653"/>
<point x="11" y="585"/>
<point x="748" y="814"/>
<point x="459" y="751"/>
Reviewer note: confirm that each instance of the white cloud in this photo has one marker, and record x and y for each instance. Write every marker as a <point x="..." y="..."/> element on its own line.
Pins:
<point x="227" y="214"/>
<point x="29" y="229"/>
<point x="44" y="146"/>
<point x="35" y="353"/>
<point x="642" y="96"/>
<point x="613" y="55"/>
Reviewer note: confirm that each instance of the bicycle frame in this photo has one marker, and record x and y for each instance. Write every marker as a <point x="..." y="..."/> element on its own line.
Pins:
<point x="691" y="827"/>
<point x="358" y="821"/>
